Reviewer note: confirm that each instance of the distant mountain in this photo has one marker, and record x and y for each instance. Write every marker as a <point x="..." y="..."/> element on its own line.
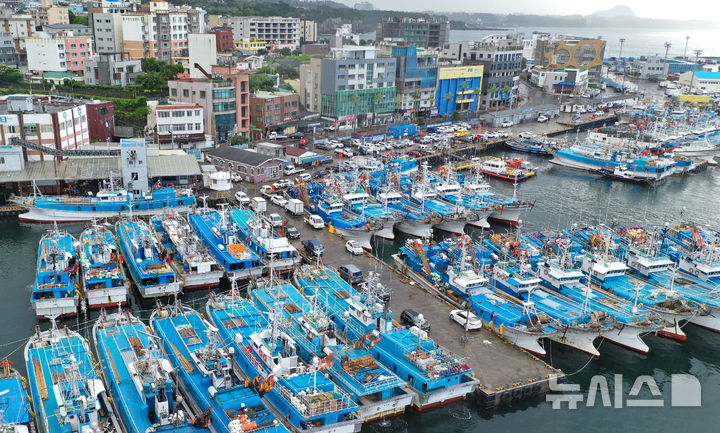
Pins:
<point x="615" y="12"/>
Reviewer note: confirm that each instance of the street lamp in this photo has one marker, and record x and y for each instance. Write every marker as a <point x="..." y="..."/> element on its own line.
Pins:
<point x="668" y="44"/>
<point x="692" y="77"/>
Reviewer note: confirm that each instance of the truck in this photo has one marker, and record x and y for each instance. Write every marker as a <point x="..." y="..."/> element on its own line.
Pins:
<point x="291" y="169"/>
<point x="315" y="221"/>
<point x="295" y="206"/>
<point x="258" y="204"/>
<point x="275" y="136"/>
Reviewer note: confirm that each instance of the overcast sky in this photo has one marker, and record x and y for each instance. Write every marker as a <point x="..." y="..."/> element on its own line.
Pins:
<point x="691" y="9"/>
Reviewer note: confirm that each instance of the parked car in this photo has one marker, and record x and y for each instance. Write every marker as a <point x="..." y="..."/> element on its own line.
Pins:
<point x="306" y="177"/>
<point x="324" y="146"/>
<point x="315" y="221"/>
<point x="292" y="232"/>
<point x="411" y="317"/>
<point x="236" y="177"/>
<point x="282" y="183"/>
<point x="462" y="317"/>
<point x="314" y="247"/>
<point x="351" y="274"/>
<point x="275" y="136"/>
<point x="320" y="173"/>
<point x="414" y="153"/>
<point x="326" y="159"/>
<point x="242" y="198"/>
<point x="275" y="220"/>
<point x="297" y="135"/>
<point x="542" y="118"/>
<point x="507" y="124"/>
<point x="279" y="200"/>
<point x="353" y="247"/>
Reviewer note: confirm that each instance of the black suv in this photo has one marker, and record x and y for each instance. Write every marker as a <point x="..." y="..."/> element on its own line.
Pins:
<point x="411" y="317"/>
<point x="292" y="232"/>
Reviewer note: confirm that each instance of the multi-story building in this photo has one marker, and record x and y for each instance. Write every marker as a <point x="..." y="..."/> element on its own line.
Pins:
<point x="272" y="108"/>
<point x="432" y="33"/>
<point x="653" y="67"/>
<point x="225" y="103"/>
<point x="501" y="56"/>
<point x="223" y="38"/>
<point x="55" y="124"/>
<point x="21" y="27"/>
<point x="563" y="52"/>
<point x="202" y="52"/>
<point x="111" y="69"/>
<point x="107" y="29"/>
<point x="179" y="126"/>
<point x="308" y="30"/>
<point x="458" y="88"/>
<point x="415" y="78"/>
<point x="564" y="81"/>
<point x="161" y="32"/>
<point x="67" y="29"/>
<point x="8" y="54"/>
<point x="701" y="81"/>
<point x="352" y="83"/>
<point x="59" y="54"/>
<point x="45" y="15"/>
<point x="249" y="46"/>
<point x="278" y="31"/>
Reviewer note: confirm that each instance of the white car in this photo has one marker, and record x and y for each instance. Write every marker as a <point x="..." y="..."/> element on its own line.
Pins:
<point x="542" y="119"/>
<point x="275" y="220"/>
<point x="278" y="200"/>
<point x="242" y="198"/>
<point x="305" y="177"/>
<point x="462" y="317"/>
<point x="354" y="248"/>
<point x="507" y="124"/>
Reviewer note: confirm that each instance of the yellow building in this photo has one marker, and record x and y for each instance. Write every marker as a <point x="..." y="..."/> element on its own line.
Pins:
<point x="251" y="45"/>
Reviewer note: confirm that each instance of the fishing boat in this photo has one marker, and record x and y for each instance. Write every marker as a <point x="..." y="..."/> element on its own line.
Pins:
<point x="55" y="292"/>
<point x="611" y="275"/>
<point x="150" y="267"/>
<point x="577" y="326"/>
<point x="344" y="222"/>
<point x="696" y="252"/>
<point x="378" y="392"/>
<point x="140" y="377"/>
<point x="646" y="169"/>
<point x="223" y="241"/>
<point x="380" y="215"/>
<point x="104" y="281"/>
<point x="267" y="354"/>
<point x="497" y="168"/>
<point x="434" y="373"/>
<point x="631" y="321"/>
<point x="207" y="375"/>
<point x="507" y="210"/>
<point x="15" y="410"/>
<point x="450" y="190"/>
<point x="446" y="266"/>
<point x="419" y="190"/>
<point x="278" y="254"/>
<point x="532" y="144"/>
<point x="67" y="392"/>
<point x="195" y="265"/>
<point x="108" y="203"/>
<point x="417" y="222"/>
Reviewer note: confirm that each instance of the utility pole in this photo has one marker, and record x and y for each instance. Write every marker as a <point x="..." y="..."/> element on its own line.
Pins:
<point x="687" y="38"/>
<point x="622" y="41"/>
<point x="694" y="71"/>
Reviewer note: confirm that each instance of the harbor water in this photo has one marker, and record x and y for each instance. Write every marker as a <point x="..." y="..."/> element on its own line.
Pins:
<point x="562" y="197"/>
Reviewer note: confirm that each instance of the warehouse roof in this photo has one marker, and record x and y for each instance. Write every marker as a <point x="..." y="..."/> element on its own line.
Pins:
<point x="81" y="168"/>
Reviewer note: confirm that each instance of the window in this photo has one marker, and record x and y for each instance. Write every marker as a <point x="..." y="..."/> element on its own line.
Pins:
<point x="30" y="129"/>
<point x="189" y="126"/>
<point x="197" y="112"/>
<point x="258" y="119"/>
<point x="189" y="113"/>
<point x="164" y="128"/>
<point x="223" y="93"/>
<point x="197" y="127"/>
<point x="178" y="114"/>
<point x="173" y="92"/>
<point x="186" y="93"/>
<point x="179" y="127"/>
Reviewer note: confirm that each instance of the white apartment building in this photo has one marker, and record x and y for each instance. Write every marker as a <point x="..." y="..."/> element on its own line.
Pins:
<point x="279" y="31"/>
<point x="58" y="54"/>
<point x="179" y="126"/>
<point x="56" y="125"/>
<point x="203" y="51"/>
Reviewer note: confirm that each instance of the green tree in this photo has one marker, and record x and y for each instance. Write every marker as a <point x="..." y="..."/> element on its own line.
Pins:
<point x="284" y="51"/>
<point x="448" y="97"/>
<point x="260" y="81"/>
<point x="151" y="82"/>
<point x="416" y="100"/>
<point x="9" y="75"/>
<point x="477" y="92"/>
<point x="237" y="140"/>
<point x="506" y="93"/>
<point x="355" y="101"/>
<point x="168" y="71"/>
<point x="492" y="90"/>
<point x="463" y="87"/>
<point x="77" y="19"/>
<point x="377" y="99"/>
<point x="456" y="115"/>
<point x="288" y="72"/>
